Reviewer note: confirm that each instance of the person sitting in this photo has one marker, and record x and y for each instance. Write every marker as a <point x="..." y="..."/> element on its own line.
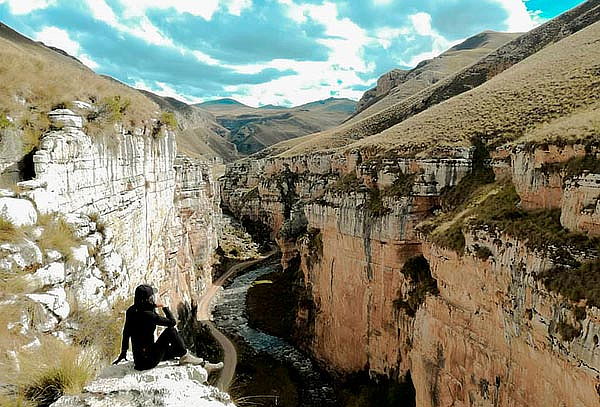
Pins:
<point x="140" y="323"/>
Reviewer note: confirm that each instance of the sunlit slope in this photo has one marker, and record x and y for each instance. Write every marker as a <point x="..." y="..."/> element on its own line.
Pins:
<point x="467" y="79"/>
<point x="553" y="93"/>
<point x="431" y="71"/>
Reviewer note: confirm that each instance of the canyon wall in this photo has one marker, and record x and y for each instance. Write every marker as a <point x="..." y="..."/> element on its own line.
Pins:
<point x="477" y="330"/>
<point x="142" y="213"/>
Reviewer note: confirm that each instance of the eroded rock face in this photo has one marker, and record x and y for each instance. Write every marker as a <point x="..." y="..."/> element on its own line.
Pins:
<point x="491" y="336"/>
<point x="166" y="385"/>
<point x="119" y="194"/>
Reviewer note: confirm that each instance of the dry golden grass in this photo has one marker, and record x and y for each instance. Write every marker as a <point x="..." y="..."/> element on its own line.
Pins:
<point x="99" y="330"/>
<point x="57" y="234"/>
<point x="9" y="232"/>
<point x="35" y="79"/>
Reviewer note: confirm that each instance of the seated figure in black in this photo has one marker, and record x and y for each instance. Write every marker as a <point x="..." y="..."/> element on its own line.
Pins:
<point x="140" y="323"/>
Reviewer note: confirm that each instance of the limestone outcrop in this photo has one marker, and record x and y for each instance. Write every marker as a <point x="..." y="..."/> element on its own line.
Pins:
<point x="166" y="385"/>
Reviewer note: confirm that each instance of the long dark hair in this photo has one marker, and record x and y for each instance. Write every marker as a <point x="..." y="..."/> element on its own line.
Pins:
<point x="144" y="297"/>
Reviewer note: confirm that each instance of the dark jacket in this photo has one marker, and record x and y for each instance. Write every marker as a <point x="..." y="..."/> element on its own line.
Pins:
<point x="140" y="323"/>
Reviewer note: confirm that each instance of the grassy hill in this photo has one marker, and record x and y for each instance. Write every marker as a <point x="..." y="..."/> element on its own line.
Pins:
<point x="468" y="79"/>
<point x="198" y="133"/>
<point x="398" y="85"/>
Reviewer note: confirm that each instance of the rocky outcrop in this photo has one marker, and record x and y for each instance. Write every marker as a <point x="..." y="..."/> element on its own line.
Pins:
<point x="477" y="327"/>
<point x="165" y="385"/>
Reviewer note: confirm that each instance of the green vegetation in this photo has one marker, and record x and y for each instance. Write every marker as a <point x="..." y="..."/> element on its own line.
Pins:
<point x="450" y="238"/>
<point x="314" y="243"/>
<point x="114" y="108"/>
<point x="347" y="183"/>
<point x="481" y="174"/>
<point x="4" y="122"/>
<point x="567" y="331"/>
<point x="575" y="166"/>
<point x="402" y="185"/>
<point x="417" y="270"/>
<point x="482" y="252"/>
<point x="374" y="203"/>
<point x="169" y="120"/>
<point x="575" y="283"/>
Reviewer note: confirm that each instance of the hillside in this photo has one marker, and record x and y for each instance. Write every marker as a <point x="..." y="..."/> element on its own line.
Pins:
<point x="253" y="129"/>
<point x="469" y="78"/>
<point x="398" y="84"/>
<point x="198" y="134"/>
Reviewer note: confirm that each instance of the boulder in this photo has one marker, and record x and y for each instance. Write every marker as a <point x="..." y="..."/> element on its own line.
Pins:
<point x="166" y="385"/>
<point x="55" y="300"/>
<point x="20" y="212"/>
<point x="52" y="274"/>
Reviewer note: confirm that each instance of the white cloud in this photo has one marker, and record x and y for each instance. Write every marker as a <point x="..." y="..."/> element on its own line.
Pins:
<point x="422" y="23"/>
<point x="58" y="38"/>
<point x="236" y="7"/>
<point x="519" y="19"/>
<point x="27" y="6"/>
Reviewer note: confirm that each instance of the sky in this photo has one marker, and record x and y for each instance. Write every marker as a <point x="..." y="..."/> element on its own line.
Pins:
<point x="281" y="52"/>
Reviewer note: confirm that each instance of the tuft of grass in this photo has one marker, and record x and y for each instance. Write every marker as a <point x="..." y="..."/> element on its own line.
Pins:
<point x="374" y="203"/>
<point x="13" y="282"/>
<point x="9" y="232"/>
<point x="57" y="235"/>
<point x="54" y="369"/>
<point x="4" y="122"/>
<point x="567" y="331"/>
<point x="402" y="186"/>
<point x="100" y="330"/>
<point x="451" y="238"/>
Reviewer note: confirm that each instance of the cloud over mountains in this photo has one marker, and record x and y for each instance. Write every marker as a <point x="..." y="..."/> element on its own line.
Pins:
<point x="284" y="52"/>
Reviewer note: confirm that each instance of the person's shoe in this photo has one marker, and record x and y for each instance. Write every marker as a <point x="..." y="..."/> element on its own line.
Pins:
<point x="211" y="367"/>
<point x="189" y="359"/>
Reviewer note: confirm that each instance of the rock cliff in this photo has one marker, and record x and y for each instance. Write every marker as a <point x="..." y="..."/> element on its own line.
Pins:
<point x="455" y="247"/>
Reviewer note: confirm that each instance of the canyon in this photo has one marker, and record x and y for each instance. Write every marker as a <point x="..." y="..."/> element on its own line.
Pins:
<point x="435" y="247"/>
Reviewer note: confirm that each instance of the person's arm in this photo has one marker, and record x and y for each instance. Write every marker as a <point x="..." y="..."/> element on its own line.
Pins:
<point x="168" y="320"/>
<point x="125" y="341"/>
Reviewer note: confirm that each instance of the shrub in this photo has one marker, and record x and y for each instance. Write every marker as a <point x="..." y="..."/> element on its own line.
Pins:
<point x="4" y="122"/>
<point x="169" y="120"/>
<point x="567" y="331"/>
<point x="450" y="238"/>
<point x="374" y="203"/>
<point x="347" y="183"/>
<point x="114" y="108"/>
<point x="482" y="252"/>
<point x="402" y="185"/>
<point x="575" y="283"/>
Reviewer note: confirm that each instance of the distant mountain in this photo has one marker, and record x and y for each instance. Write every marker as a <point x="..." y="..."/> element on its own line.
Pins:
<point x="252" y="129"/>
<point x="199" y="133"/>
<point x="400" y="84"/>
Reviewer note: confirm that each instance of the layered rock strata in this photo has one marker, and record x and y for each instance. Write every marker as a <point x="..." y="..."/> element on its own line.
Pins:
<point x="485" y="328"/>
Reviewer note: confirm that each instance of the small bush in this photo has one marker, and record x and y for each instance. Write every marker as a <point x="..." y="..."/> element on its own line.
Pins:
<point x="347" y="183"/>
<point x="4" y="122"/>
<point x="374" y="203"/>
<point x="575" y="283"/>
<point x="482" y="252"/>
<point x="567" y="331"/>
<point x="114" y="108"/>
<point x="57" y="235"/>
<point x="418" y="271"/>
<point x="169" y="120"/>
<point x="402" y="186"/>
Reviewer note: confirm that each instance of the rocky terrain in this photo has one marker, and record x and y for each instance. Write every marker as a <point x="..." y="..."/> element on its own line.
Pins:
<point x="253" y="129"/>
<point x="455" y="244"/>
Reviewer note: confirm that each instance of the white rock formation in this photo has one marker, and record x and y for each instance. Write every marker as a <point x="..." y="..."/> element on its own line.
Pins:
<point x="167" y="385"/>
<point x="20" y="212"/>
